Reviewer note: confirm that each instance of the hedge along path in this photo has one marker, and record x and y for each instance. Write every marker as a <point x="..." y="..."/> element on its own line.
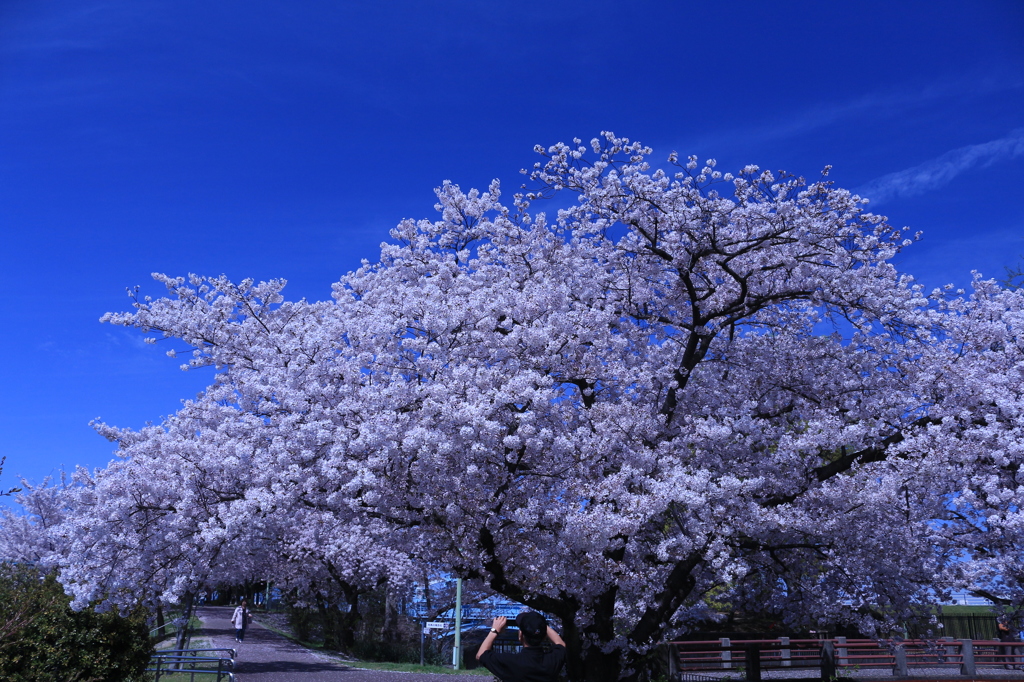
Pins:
<point x="266" y="656"/>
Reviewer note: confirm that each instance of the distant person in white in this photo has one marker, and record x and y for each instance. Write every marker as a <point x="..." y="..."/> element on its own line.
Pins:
<point x="241" y="619"/>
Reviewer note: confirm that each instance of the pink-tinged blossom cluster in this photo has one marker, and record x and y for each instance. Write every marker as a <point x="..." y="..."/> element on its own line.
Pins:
<point x="212" y="496"/>
<point x="686" y="388"/>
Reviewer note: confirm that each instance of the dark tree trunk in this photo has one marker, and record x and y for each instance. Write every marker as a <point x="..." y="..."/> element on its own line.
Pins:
<point x="590" y="663"/>
<point x="350" y="620"/>
<point x="345" y="622"/>
<point x="339" y="627"/>
<point x="181" y="638"/>
<point x="601" y="667"/>
<point x="329" y="624"/>
<point x="389" y="629"/>
<point x="347" y="630"/>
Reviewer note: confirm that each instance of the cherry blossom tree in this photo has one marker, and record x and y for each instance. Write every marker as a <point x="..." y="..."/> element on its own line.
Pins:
<point x="192" y="504"/>
<point x="982" y="373"/>
<point x="25" y="532"/>
<point x="682" y="384"/>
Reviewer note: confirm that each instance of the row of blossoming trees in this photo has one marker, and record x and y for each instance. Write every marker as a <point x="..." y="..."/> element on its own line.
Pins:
<point x="682" y="384"/>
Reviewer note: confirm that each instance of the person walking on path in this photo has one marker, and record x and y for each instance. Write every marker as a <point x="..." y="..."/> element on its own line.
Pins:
<point x="241" y="619"/>
<point x="541" y="658"/>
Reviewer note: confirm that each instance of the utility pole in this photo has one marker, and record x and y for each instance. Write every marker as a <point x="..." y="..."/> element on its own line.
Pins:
<point x="426" y="612"/>
<point x="457" y="653"/>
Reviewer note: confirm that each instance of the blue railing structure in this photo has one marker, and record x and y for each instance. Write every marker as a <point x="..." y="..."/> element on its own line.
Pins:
<point x="208" y="664"/>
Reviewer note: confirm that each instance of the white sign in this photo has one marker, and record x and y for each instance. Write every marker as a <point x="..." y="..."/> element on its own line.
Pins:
<point x="436" y="625"/>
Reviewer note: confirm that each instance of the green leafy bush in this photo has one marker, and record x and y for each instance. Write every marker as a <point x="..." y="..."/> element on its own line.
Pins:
<point x="393" y="652"/>
<point x="43" y="640"/>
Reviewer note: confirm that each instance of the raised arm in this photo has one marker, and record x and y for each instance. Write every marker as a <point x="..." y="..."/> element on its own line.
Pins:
<point x="555" y="638"/>
<point x="496" y="627"/>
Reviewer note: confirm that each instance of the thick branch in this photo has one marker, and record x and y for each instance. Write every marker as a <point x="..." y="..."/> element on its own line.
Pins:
<point x="677" y="587"/>
<point x="875" y="453"/>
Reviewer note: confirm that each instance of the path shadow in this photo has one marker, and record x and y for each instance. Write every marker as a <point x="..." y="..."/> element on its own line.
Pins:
<point x="268" y="667"/>
<point x="264" y="654"/>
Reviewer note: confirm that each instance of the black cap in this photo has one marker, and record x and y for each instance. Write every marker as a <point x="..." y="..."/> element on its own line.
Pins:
<point x="532" y="624"/>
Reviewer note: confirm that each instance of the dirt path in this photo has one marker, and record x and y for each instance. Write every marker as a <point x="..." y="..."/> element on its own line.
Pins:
<point x="266" y="656"/>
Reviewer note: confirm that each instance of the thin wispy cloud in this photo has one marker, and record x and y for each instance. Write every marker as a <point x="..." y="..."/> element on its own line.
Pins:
<point x="940" y="171"/>
<point x="892" y="103"/>
<point x="75" y="27"/>
<point x="885" y="104"/>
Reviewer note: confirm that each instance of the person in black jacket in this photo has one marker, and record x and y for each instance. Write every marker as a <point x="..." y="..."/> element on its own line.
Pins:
<point x="1011" y="653"/>
<point x="541" y="658"/>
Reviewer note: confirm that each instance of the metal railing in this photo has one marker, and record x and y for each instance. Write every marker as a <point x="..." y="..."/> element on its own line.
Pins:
<point x="963" y="656"/>
<point x="176" y="663"/>
<point x="172" y="627"/>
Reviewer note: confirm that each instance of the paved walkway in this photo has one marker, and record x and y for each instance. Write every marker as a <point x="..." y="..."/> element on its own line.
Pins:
<point x="266" y="656"/>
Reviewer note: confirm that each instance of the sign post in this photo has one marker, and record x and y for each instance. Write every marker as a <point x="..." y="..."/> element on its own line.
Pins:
<point x="425" y="631"/>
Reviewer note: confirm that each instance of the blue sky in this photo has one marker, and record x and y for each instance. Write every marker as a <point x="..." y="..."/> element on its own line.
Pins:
<point x="284" y="139"/>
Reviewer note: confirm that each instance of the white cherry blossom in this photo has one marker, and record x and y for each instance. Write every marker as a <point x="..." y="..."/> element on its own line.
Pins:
<point x="683" y="387"/>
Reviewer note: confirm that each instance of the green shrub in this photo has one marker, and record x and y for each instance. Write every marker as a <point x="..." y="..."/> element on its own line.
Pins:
<point x="43" y="640"/>
<point x="391" y="652"/>
<point x="303" y="622"/>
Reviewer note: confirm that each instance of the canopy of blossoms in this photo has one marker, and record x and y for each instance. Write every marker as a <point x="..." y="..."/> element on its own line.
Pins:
<point x="683" y="387"/>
